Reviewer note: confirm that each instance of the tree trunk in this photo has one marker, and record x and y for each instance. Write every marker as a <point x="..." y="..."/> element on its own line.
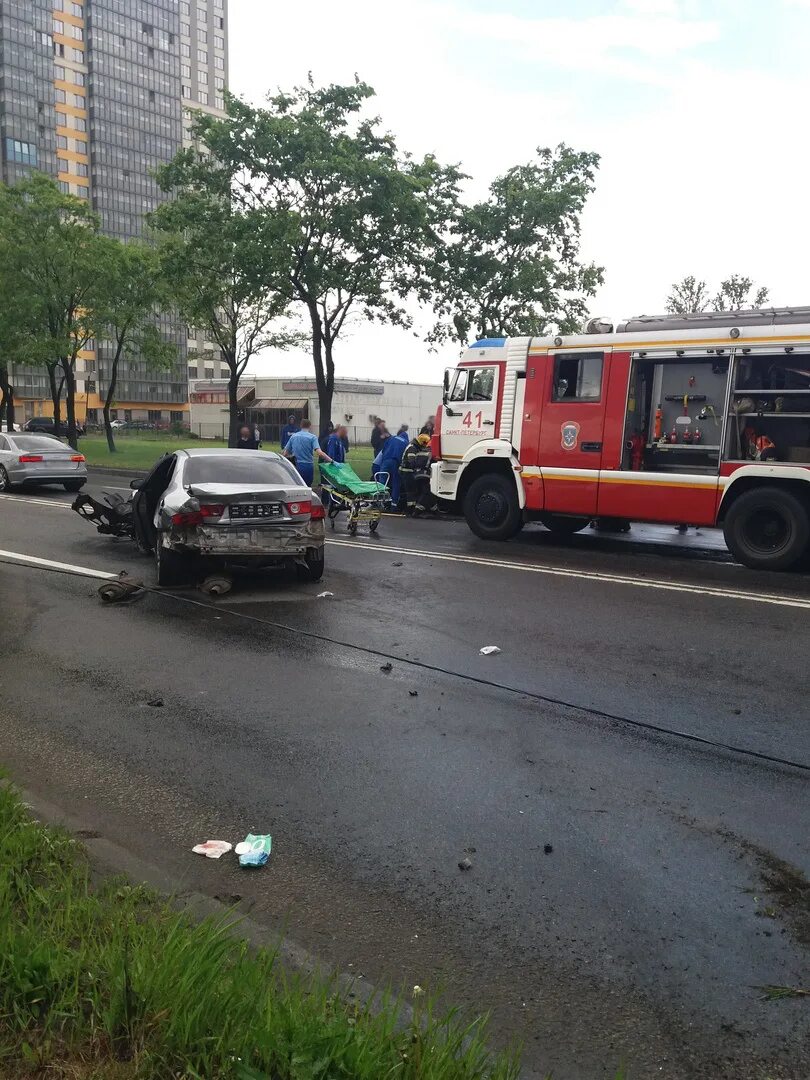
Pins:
<point x="70" y="401"/>
<point x="324" y="372"/>
<point x="7" y="401"/>
<point x="233" y="391"/>
<point x="330" y="379"/>
<point x="108" y="400"/>
<point x="56" y="395"/>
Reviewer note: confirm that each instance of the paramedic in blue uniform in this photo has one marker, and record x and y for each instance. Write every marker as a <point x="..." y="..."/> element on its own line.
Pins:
<point x="300" y="448"/>
<point x="336" y="445"/>
<point x="392" y="451"/>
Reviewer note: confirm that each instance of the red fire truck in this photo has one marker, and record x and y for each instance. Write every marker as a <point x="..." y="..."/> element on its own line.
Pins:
<point x="697" y="420"/>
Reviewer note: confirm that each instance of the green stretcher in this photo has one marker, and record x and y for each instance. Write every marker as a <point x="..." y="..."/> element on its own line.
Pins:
<point x="344" y="479"/>
<point x="364" y="500"/>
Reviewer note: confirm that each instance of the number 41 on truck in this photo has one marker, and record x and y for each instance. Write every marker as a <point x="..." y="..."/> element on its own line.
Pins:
<point x="698" y="419"/>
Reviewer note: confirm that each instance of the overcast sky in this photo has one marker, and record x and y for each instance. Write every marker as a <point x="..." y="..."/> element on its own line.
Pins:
<point x="697" y="108"/>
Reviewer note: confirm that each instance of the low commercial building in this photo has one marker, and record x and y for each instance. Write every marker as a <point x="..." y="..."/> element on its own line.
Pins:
<point x="267" y="403"/>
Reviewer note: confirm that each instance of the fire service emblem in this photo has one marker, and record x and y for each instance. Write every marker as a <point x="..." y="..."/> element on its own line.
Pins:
<point x="570" y="435"/>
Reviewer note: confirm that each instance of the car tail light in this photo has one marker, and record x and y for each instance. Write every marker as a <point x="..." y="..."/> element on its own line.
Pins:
<point x="27" y="458"/>
<point x="198" y="517"/>
<point x="299" y="509"/>
<point x="78" y="457"/>
<point x="318" y="512"/>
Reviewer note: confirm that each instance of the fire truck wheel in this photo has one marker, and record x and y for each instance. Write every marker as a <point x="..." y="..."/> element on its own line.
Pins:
<point x="561" y="525"/>
<point x="767" y="528"/>
<point x="491" y="507"/>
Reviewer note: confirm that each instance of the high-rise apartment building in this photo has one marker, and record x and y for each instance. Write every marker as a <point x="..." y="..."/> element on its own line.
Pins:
<point x="95" y="94"/>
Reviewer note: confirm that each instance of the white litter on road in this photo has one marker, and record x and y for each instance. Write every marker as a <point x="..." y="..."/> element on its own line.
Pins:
<point x="321" y="595"/>
<point x="489" y="650"/>
<point x="212" y="849"/>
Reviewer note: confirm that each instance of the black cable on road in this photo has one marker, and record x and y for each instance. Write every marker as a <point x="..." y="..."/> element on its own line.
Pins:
<point x="642" y="725"/>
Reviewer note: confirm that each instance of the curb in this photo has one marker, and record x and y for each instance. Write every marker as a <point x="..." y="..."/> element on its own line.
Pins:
<point x="121" y="470"/>
<point x="107" y="857"/>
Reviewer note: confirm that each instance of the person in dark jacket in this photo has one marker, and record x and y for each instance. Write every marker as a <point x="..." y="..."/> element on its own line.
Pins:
<point x="324" y="438"/>
<point x="246" y="439"/>
<point x="289" y="429"/>
<point x="379" y="433"/>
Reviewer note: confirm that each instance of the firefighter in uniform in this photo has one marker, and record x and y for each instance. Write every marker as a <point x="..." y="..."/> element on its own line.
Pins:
<point x="414" y="470"/>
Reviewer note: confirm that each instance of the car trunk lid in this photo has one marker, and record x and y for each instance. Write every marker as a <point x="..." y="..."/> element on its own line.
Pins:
<point x="256" y="505"/>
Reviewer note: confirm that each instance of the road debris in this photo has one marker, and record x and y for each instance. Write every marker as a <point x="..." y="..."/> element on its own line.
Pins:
<point x="155" y="703"/>
<point x="322" y="595"/>
<point x="386" y="667"/>
<point x="777" y="993"/>
<point x="465" y="864"/>
<point x="548" y="848"/>
<point x="254" y="850"/>
<point x="122" y="589"/>
<point x="212" y="849"/>
<point x="216" y="585"/>
<point x="396" y="564"/>
<point x="413" y="693"/>
<point x="489" y="650"/>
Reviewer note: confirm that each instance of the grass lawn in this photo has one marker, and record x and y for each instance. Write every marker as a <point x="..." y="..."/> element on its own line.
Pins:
<point x="104" y="981"/>
<point x="140" y="452"/>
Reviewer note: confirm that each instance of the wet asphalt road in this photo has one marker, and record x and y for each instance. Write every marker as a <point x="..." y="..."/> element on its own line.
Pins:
<point x="673" y="887"/>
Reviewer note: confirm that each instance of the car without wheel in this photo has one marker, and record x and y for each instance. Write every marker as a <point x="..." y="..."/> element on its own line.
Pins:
<point x="33" y="460"/>
<point x="207" y="508"/>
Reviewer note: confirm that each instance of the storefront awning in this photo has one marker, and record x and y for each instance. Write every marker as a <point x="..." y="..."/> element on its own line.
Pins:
<point x="245" y="393"/>
<point x="279" y="403"/>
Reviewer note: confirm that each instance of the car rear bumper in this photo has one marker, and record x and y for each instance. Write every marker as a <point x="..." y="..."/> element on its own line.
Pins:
<point x="52" y="474"/>
<point x="267" y="542"/>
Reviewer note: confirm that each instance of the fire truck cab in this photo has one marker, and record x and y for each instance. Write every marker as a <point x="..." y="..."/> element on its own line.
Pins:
<point x="700" y="419"/>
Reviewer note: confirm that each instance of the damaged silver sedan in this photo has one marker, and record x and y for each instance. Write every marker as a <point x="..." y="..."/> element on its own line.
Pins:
<point x="200" y="509"/>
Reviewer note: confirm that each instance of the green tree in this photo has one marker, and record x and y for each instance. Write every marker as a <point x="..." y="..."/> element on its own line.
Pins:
<point x="52" y="247"/>
<point x="689" y="295"/>
<point x="352" y="223"/>
<point x="735" y="293"/>
<point x="18" y="333"/>
<point x="219" y="260"/>
<point x="127" y="305"/>
<point x="512" y="265"/>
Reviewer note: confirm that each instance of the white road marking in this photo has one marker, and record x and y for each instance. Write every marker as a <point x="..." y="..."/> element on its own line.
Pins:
<point x="582" y="575"/>
<point x="50" y="564"/>
<point x="475" y="560"/>
<point x="36" y="502"/>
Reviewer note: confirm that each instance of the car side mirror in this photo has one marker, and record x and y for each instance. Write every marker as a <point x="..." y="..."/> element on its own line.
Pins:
<point x="136" y="485"/>
<point x="445" y="385"/>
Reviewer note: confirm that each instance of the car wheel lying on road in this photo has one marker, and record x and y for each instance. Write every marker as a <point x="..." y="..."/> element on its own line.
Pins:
<point x="315" y="562"/>
<point x="172" y="569"/>
<point x="5" y="483"/>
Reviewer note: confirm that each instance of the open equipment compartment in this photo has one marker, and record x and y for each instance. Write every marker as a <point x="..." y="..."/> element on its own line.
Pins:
<point x="769" y="406"/>
<point x="675" y="408"/>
